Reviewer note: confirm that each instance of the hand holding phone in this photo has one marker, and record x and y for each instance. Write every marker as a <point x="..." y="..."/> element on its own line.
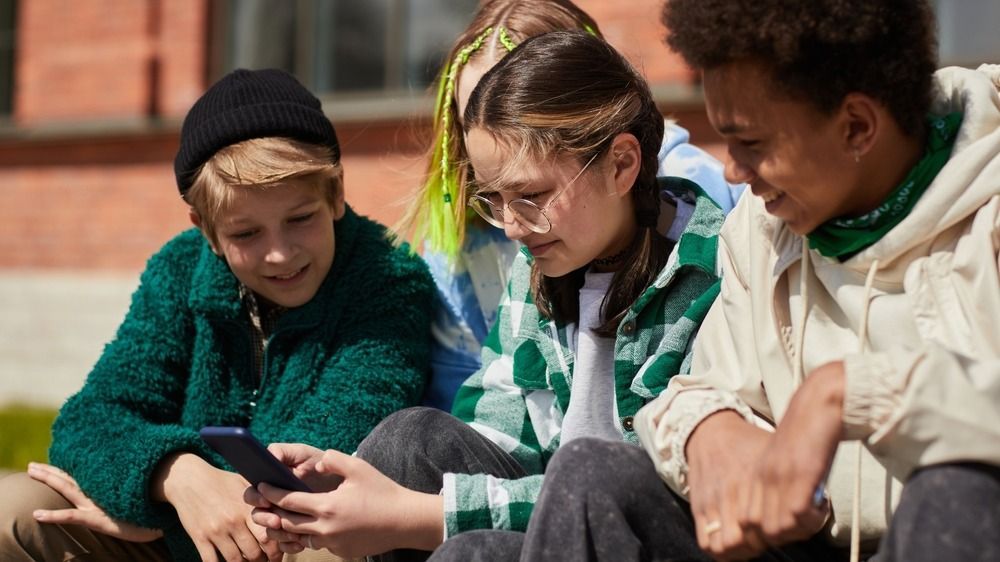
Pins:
<point x="250" y="458"/>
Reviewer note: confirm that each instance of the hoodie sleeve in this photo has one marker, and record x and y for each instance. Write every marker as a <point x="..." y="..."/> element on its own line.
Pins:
<point x="936" y="402"/>
<point x="923" y="407"/>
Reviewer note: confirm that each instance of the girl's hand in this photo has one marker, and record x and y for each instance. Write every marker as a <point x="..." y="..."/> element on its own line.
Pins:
<point x="210" y="507"/>
<point x="366" y="514"/>
<point x="796" y="461"/>
<point x="302" y="459"/>
<point x="720" y="452"/>
<point x="85" y="511"/>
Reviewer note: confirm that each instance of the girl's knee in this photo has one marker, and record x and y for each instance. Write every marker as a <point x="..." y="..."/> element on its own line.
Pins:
<point x="972" y="482"/>
<point x="475" y="546"/>
<point x="599" y="462"/>
<point x="405" y="431"/>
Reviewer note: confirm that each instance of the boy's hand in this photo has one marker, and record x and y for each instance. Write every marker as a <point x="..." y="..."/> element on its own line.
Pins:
<point x="85" y="512"/>
<point x="366" y="514"/>
<point x="720" y="452"/>
<point x="796" y="461"/>
<point x="210" y="507"/>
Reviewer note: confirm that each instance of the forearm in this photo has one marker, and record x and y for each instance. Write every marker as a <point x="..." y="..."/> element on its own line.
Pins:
<point x="113" y="452"/>
<point x="665" y="425"/>
<point x="713" y="437"/>
<point x="424" y="517"/>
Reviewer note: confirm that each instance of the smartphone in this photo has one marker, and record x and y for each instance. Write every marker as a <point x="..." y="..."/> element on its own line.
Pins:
<point x="250" y="458"/>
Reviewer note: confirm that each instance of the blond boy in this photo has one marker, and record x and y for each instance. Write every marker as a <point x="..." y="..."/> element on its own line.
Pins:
<point x="284" y="312"/>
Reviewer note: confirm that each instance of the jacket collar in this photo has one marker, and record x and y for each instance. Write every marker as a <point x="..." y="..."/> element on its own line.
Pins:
<point x="699" y="242"/>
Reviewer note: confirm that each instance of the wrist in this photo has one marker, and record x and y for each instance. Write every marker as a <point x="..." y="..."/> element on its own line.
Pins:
<point x="699" y="443"/>
<point x="173" y="474"/>
<point x="828" y="385"/>
<point x="425" y="517"/>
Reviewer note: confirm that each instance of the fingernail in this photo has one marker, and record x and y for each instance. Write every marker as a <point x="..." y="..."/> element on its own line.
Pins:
<point x="39" y="515"/>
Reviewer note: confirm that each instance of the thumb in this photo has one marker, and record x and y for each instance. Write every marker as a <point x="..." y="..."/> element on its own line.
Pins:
<point x="335" y="462"/>
<point x="288" y="453"/>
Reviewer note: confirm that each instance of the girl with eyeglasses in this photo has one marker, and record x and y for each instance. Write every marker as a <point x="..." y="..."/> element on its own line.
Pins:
<point x="469" y="259"/>
<point x="599" y="314"/>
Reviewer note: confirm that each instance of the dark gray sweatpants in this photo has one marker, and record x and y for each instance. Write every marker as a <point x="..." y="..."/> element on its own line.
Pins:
<point x="603" y="501"/>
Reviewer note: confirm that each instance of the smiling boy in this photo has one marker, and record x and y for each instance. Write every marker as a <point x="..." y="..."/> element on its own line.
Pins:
<point x="284" y="312"/>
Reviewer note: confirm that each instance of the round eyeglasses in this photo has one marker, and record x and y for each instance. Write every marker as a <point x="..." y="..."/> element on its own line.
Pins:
<point x="529" y="214"/>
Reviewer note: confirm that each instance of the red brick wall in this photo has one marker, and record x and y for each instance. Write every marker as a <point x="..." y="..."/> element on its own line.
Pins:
<point x="108" y="204"/>
<point x="108" y="59"/>
<point x="634" y="28"/>
<point x="98" y="204"/>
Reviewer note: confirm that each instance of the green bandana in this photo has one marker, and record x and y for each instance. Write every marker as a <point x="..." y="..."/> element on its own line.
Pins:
<point x="842" y="238"/>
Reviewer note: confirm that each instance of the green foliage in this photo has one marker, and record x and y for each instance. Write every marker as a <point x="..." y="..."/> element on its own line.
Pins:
<point x="25" y="434"/>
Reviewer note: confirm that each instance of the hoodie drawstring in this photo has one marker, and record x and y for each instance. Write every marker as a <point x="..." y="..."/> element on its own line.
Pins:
<point x="862" y="347"/>
<point x="800" y="338"/>
<point x="799" y="373"/>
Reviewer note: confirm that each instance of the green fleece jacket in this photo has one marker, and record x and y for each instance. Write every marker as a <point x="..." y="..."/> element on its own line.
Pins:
<point x="182" y="359"/>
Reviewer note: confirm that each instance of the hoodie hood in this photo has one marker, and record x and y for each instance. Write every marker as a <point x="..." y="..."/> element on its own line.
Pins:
<point x="969" y="179"/>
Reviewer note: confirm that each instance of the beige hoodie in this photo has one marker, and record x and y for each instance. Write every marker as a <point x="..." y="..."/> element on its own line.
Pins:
<point x="923" y="378"/>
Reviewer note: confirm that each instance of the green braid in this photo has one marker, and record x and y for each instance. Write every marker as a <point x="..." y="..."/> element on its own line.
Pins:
<point x="445" y="215"/>
<point x="505" y="39"/>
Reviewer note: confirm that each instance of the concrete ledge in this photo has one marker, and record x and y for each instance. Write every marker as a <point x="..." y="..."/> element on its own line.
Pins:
<point x="53" y="328"/>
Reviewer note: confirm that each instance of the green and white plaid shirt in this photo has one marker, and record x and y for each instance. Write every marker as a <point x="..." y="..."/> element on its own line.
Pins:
<point x="519" y="396"/>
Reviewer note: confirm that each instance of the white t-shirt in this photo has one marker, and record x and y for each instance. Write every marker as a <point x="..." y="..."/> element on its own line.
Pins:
<point x="592" y="408"/>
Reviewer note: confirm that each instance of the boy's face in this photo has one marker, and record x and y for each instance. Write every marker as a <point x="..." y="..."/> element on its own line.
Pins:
<point x="279" y="241"/>
<point x="797" y="159"/>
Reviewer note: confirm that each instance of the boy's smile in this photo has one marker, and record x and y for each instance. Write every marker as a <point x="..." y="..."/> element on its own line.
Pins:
<point x="279" y="241"/>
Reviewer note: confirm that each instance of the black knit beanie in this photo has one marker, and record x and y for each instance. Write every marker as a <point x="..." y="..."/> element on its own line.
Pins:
<point x="249" y="104"/>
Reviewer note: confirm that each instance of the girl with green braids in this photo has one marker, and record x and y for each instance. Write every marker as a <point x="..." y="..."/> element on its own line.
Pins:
<point x="469" y="259"/>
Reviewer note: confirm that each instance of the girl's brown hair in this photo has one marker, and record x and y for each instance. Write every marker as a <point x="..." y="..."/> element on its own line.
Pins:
<point x="437" y="213"/>
<point x="572" y="93"/>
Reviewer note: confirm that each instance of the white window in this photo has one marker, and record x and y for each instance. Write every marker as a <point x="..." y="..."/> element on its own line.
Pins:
<point x="968" y="31"/>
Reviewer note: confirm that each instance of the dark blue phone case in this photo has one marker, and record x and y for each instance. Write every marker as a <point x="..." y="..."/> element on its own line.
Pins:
<point x="250" y="458"/>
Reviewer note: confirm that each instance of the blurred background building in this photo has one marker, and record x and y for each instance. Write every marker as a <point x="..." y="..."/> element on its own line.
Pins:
<point x="92" y="94"/>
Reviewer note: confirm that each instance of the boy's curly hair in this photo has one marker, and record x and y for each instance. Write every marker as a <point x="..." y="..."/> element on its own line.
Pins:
<point x="819" y="50"/>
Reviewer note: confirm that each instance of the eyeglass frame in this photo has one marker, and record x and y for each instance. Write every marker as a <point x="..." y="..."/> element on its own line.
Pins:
<point x="492" y="220"/>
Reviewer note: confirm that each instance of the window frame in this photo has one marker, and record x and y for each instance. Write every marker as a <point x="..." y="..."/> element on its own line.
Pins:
<point x="393" y="102"/>
<point x="8" y="59"/>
